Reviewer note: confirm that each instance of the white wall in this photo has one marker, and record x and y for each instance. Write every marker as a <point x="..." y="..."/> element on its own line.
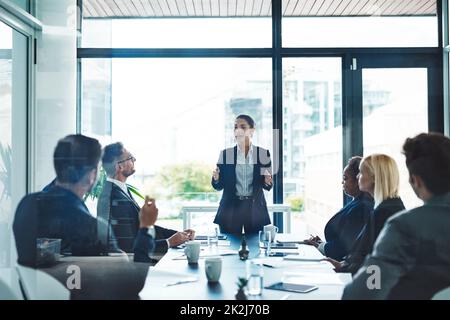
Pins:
<point x="54" y="115"/>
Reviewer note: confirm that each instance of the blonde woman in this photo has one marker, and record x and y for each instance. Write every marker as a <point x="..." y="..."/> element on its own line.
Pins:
<point x="379" y="177"/>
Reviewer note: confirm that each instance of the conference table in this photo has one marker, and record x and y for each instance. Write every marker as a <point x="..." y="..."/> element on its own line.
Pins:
<point x="174" y="266"/>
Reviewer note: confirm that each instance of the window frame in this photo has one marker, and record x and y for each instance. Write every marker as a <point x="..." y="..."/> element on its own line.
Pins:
<point x="351" y="115"/>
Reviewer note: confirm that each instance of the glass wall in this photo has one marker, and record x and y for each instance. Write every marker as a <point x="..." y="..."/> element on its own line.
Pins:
<point x="312" y="136"/>
<point x="346" y="24"/>
<point x="175" y="116"/>
<point x="180" y="32"/>
<point x="395" y="107"/>
<point x="172" y="101"/>
<point x="13" y="106"/>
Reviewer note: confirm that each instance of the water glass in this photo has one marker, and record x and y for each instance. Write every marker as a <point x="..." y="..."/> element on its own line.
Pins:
<point x="213" y="240"/>
<point x="255" y="274"/>
<point x="266" y="238"/>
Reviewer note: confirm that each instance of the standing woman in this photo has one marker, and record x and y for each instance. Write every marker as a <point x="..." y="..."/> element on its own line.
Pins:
<point x="242" y="173"/>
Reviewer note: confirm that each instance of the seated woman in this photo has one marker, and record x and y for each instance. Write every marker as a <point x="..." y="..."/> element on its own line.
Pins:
<point x="344" y="227"/>
<point x="379" y="177"/>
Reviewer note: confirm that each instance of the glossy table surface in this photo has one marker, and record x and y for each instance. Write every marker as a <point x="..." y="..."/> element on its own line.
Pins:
<point x="232" y="267"/>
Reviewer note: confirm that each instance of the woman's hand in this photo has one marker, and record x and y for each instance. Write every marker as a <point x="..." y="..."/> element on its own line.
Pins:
<point x="336" y="264"/>
<point x="216" y="174"/>
<point x="314" y="241"/>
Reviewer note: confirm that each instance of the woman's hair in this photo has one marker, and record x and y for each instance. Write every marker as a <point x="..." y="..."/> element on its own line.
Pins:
<point x="353" y="166"/>
<point x="247" y="118"/>
<point x="386" y="176"/>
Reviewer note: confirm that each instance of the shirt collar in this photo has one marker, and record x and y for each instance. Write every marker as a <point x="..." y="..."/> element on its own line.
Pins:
<point x="250" y="151"/>
<point x="120" y="184"/>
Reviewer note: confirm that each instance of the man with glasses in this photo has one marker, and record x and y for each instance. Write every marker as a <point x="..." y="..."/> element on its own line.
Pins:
<point x="119" y="209"/>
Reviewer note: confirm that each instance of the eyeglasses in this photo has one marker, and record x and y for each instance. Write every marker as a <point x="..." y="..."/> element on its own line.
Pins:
<point x="129" y="158"/>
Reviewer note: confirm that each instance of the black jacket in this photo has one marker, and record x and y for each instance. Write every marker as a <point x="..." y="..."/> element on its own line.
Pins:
<point x="344" y="227"/>
<point x="58" y="213"/>
<point x="366" y="239"/>
<point x="227" y="183"/>
<point x="121" y="212"/>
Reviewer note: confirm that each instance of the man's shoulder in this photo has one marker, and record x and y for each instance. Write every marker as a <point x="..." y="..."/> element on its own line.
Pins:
<point x="31" y="198"/>
<point x="410" y="218"/>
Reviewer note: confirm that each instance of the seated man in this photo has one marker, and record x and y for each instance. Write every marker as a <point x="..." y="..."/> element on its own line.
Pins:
<point x="411" y="257"/>
<point x="59" y="212"/>
<point x="118" y="208"/>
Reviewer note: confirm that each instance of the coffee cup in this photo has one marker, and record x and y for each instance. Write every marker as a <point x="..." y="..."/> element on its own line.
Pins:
<point x="213" y="268"/>
<point x="192" y="251"/>
<point x="273" y="231"/>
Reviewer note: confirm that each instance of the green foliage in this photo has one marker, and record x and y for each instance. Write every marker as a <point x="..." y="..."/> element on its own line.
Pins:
<point x="134" y="190"/>
<point x="185" y="181"/>
<point x="97" y="189"/>
<point x="296" y="202"/>
<point x="5" y="170"/>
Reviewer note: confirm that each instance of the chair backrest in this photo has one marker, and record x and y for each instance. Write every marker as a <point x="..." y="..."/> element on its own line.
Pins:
<point x="442" y="295"/>
<point x="37" y="285"/>
<point x="9" y="285"/>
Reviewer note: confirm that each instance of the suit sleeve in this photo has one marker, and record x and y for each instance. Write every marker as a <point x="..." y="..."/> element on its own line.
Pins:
<point x="393" y="257"/>
<point x="163" y="233"/>
<point x="144" y="246"/>
<point x="219" y="185"/>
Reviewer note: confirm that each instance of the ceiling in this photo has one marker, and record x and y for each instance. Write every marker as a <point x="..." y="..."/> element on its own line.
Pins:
<point x="254" y="8"/>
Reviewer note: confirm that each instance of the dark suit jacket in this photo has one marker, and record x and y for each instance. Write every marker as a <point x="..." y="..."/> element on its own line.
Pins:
<point x="122" y="214"/>
<point x="58" y="213"/>
<point x="227" y="183"/>
<point x="344" y="227"/>
<point x="366" y="239"/>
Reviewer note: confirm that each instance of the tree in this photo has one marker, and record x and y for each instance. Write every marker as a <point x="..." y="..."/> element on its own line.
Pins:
<point x="186" y="181"/>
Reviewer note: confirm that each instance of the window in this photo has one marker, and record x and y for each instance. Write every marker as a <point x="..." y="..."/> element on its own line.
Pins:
<point x="175" y="116"/>
<point x="362" y="23"/>
<point x="13" y="107"/>
<point x="395" y="107"/>
<point x="313" y="153"/>
<point x="313" y="108"/>
<point x="177" y="24"/>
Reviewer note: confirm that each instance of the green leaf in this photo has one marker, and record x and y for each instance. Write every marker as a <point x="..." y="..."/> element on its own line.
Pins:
<point x="135" y="191"/>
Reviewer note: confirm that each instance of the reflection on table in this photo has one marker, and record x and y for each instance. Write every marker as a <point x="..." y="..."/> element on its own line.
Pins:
<point x="173" y="268"/>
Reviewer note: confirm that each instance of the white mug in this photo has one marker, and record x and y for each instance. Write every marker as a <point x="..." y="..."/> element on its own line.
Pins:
<point x="273" y="231"/>
<point x="213" y="268"/>
<point x="192" y="251"/>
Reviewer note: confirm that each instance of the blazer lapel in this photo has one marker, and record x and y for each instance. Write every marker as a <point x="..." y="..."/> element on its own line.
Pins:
<point x="128" y="197"/>
<point x="256" y="171"/>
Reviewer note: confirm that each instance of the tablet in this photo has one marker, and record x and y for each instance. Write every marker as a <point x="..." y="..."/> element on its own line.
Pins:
<point x="282" y="246"/>
<point x="292" y="287"/>
<point x="278" y="254"/>
<point x="203" y="237"/>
